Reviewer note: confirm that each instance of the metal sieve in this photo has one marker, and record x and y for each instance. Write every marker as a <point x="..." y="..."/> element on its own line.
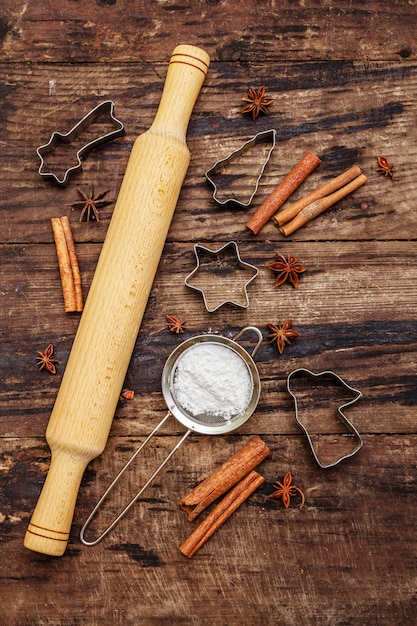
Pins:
<point x="198" y="421"/>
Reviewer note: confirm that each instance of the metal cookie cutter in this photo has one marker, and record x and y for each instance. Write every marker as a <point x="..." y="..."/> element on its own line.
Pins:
<point x="341" y="415"/>
<point x="105" y="108"/>
<point x="222" y="268"/>
<point x="264" y="136"/>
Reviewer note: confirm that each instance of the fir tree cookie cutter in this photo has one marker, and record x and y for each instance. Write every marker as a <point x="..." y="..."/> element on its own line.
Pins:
<point x="342" y="417"/>
<point x="221" y="276"/>
<point x="214" y="174"/>
<point x="103" y="110"/>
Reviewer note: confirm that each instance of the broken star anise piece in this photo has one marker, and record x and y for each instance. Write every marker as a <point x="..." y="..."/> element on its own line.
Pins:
<point x="175" y="325"/>
<point x="127" y="394"/>
<point x="90" y="204"/>
<point x="257" y="102"/>
<point x="46" y="360"/>
<point x="282" y="334"/>
<point x="286" y="269"/>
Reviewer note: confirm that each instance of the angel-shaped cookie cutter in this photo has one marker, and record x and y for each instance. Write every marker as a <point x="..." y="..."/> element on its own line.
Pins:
<point x="341" y="415"/>
<point x="105" y="108"/>
<point x="263" y="136"/>
<point x="215" y="256"/>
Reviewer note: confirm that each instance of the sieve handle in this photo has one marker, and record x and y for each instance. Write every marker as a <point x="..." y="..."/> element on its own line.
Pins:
<point x="255" y="330"/>
<point x="139" y="493"/>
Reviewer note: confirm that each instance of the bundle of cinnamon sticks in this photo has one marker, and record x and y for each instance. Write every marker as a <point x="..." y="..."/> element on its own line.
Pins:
<point x="304" y="210"/>
<point x="237" y="477"/>
<point x="68" y="264"/>
<point x="307" y="208"/>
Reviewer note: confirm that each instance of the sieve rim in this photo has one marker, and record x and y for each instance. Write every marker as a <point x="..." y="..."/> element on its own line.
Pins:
<point x="190" y="421"/>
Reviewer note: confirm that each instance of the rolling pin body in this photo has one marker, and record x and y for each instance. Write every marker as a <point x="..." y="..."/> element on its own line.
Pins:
<point x="80" y="422"/>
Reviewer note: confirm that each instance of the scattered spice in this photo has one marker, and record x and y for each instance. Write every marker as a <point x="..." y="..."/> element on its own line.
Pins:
<point x="127" y="394"/>
<point x="46" y="360"/>
<point x="385" y="168"/>
<point x="175" y="325"/>
<point x="68" y="264"/>
<point x="90" y="204"/>
<point x="282" y="334"/>
<point x="286" y="269"/>
<point x="285" y="491"/>
<point x="305" y="166"/>
<point x="257" y="102"/>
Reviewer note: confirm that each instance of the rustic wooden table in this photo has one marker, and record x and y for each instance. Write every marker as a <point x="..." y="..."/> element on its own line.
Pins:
<point x="342" y="76"/>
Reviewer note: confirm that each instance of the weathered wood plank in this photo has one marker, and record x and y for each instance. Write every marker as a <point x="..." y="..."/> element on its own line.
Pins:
<point x="328" y="563"/>
<point x="337" y="110"/>
<point x="252" y="32"/>
<point x="354" y="308"/>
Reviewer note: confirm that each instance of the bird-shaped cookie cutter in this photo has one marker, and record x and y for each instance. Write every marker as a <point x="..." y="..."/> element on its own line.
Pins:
<point x="357" y="395"/>
<point x="105" y="108"/>
<point x="263" y="136"/>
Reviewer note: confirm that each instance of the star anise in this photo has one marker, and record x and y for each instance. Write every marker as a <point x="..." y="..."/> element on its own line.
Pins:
<point x="46" y="360"/>
<point x="257" y="102"/>
<point x="286" y="490"/>
<point x="286" y="269"/>
<point x="90" y="204"/>
<point x="282" y="334"/>
<point x="175" y="325"/>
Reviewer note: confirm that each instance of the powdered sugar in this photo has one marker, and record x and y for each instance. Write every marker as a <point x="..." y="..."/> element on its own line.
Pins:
<point x="211" y="379"/>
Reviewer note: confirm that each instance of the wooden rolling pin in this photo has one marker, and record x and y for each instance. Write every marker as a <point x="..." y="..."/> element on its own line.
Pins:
<point x="86" y="402"/>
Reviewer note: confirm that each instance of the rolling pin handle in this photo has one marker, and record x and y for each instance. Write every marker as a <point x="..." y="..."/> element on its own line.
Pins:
<point x="49" y="528"/>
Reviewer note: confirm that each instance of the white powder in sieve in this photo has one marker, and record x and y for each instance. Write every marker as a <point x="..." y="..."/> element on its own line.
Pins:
<point x="210" y="379"/>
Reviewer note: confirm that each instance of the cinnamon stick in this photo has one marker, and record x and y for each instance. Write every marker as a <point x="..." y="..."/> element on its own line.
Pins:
<point x="291" y="211"/>
<point x="283" y="191"/>
<point x="224" y="477"/>
<point x="66" y="227"/>
<point x="319" y="206"/>
<point x="68" y="264"/>
<point x="221" y="512"/>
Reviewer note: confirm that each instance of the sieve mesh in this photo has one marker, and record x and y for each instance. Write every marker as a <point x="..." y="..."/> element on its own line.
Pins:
<point x="211" y="383"/>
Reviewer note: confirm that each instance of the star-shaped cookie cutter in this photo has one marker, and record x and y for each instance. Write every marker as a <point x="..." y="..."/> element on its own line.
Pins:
<point x="341" y="415"/>
<point x="263" y="136"/>
<point x="221" y="271"/>
<point x="57" y="138"/>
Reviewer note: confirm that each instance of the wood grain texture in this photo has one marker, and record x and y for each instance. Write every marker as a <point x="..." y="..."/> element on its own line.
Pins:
<point x="343" y="80"/>
<point x="361" y="337"/>
<point x="322" y="564"/>
<point x="114" y="31"/>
